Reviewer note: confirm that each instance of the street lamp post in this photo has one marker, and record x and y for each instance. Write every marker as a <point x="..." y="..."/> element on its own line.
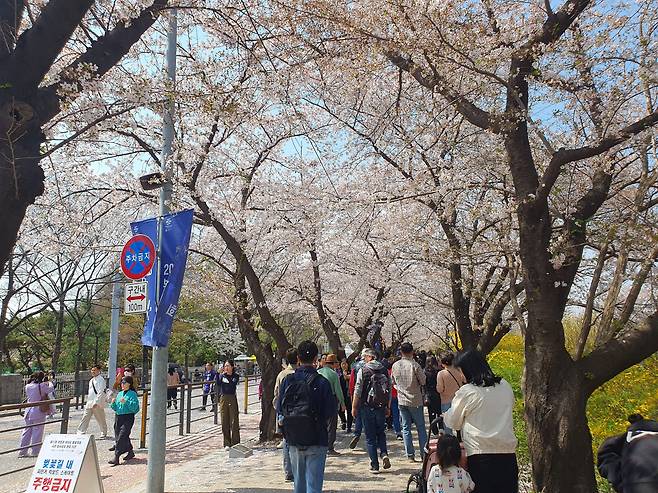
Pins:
<point x="158" y="401"/>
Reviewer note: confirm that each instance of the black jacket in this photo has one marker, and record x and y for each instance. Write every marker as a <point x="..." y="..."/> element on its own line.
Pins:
<point x="630" y="461"/>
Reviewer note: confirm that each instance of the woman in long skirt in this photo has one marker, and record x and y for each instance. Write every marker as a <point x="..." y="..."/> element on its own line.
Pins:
<point x="125" y="405"/>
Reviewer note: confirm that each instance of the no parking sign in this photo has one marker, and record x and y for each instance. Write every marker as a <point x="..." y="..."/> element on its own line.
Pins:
<point x="137" y="257"/>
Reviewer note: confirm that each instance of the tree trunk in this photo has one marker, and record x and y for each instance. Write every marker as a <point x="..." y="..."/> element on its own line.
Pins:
<point x="559" y="439"/>
<point x="59" y="334"/>
<point x="78" y="365"/>
<point x="21" y="177"/>
<point x="268" y="417"/>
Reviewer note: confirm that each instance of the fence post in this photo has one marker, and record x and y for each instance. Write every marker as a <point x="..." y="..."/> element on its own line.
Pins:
<point x="189" y="408"/>
<point x="181" y="415"/>
<point x="246" y="393"/>
<point x="142" y="433"/>
<point x="64" y="426"/>
<point x="216" y="404"/>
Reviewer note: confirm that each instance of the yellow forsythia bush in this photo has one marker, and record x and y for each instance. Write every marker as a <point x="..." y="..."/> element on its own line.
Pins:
<point x="633" y="391"/>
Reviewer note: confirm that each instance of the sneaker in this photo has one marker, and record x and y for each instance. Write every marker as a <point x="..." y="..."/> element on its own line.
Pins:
<point x="411" y="458"/>
<point x="343" y="426"/>
<point x="399" y="437"/>
<point x="290" y="479"/>
<point x="387" y="462"/>
<point x="374" y="471"/>
<point x="102" y="437"/>
<point x="112" y="448"/>
<point x="129" y="455"/>
<point x="354" y="441"/>
<point x="333" y="453"/>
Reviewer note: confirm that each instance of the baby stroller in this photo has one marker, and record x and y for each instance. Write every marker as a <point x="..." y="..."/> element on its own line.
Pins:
<point x="417" y="482"/>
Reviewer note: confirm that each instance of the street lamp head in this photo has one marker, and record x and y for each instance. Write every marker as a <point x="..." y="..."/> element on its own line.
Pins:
<point x="152" y="181"/>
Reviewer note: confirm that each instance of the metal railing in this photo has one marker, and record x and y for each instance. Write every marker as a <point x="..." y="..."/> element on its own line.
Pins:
<point x="188" y="400"/>
<point x="9" y="410"/>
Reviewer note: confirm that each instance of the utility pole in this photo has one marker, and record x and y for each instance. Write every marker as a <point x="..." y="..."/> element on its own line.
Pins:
<point x="114" y="329"/>
<point x="158" y="400"/>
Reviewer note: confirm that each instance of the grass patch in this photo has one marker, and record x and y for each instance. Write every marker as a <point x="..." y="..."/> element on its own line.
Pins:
<point x="633" y="391"/>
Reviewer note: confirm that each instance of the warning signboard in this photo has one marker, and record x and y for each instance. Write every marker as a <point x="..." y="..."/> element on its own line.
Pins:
<point x="66" y="463"/>
<point x="135" y="297"/>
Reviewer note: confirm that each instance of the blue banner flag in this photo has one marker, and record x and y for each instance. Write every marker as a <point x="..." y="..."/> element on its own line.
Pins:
<point x="176" y="229"/>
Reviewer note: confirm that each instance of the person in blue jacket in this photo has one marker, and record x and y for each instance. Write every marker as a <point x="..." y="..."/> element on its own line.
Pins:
<point x="209" y="376"/>
<point x="125" y="405"/>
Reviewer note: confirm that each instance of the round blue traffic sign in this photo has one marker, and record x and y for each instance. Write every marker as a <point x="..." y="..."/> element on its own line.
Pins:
<point x="137" y="257"/>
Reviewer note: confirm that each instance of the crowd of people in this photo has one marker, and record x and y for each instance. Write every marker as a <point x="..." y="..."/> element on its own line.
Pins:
<point x="468" y="407"/>
<point x="382" y="390"/>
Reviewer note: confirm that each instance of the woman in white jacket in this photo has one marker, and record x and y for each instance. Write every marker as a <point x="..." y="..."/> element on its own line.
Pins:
<point x="482" y="411"/>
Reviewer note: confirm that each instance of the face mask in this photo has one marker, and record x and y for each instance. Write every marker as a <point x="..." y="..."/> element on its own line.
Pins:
<point x="128" y="373"/>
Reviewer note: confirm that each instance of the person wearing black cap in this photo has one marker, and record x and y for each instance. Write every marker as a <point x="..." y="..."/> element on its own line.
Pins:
<point x="306" y="402"/>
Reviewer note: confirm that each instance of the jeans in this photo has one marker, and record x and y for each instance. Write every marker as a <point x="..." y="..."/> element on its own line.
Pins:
<point x="416" y="416"/>
<point x="358" y="424"/>
<point x="308" y="467"/>
<point x="395" y="416"/>
<point x="444" y="408"/>
<point x="374" y="421"/>
<point x="287" y="467"/>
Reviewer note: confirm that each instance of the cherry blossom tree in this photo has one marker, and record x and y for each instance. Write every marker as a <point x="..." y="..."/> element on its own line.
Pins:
<point x="51" y="52"/>
<point x="501" y="66"/>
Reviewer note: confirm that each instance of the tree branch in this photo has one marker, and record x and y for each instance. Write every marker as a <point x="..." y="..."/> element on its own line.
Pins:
<point x="38" y="47"/>
<point x="468" y="109"/>
<point x="103" y="54"/>
<point x="620" y="353"/>
<point x="565" y="156"/>
<point x="11" y="14"/>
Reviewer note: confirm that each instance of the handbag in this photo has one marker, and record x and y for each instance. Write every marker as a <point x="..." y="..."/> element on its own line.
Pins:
<point x="44" y="408"/>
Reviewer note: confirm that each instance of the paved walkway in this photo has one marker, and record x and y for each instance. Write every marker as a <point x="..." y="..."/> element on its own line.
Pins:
<point x="207" y="469"/>
<point x="198" y="463"/>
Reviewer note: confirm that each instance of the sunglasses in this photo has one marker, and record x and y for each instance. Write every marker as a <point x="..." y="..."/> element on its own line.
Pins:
<point x="123" y="381"/>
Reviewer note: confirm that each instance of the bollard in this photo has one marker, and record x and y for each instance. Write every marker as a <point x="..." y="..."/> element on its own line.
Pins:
<point x="142" y="433"/>
<point x="246" y="393"/>
<point x="64" y="425"/>
<point x="181" y="415"/>
<point x="189" y="408"/>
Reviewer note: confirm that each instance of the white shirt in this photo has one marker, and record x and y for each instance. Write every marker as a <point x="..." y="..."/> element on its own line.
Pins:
<point x="453" y="480"/>
<point x="96" y="396"/>
<point x="484" y="416"/>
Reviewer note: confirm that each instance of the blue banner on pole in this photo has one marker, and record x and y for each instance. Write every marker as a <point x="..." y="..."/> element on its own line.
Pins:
<point x="161" y="308"/>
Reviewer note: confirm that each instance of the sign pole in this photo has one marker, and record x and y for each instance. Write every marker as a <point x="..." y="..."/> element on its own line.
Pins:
<point x="155" y="482"/>
<point x="114" y="329"/>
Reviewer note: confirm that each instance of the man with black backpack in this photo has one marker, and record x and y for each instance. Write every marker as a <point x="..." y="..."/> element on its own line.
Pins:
<point x="305" y="403"/>
<point x="372" y="398"/>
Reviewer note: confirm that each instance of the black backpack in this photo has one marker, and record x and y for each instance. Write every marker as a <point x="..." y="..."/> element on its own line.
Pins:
<point x="376" y="388"/>
<point x="301" y="418"/>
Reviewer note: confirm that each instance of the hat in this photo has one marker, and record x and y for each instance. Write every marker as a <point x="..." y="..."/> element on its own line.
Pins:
<point x="331" y="358"/>
<point x="368" y="352"/>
